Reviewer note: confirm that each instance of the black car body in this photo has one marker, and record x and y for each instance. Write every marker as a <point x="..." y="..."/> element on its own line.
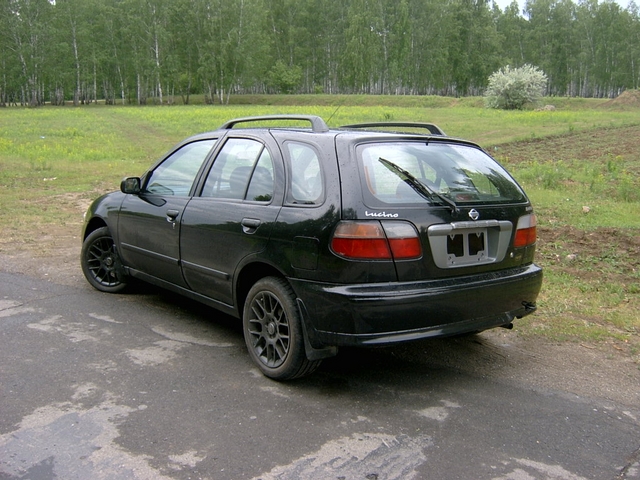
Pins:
<point x="319" y="238"/>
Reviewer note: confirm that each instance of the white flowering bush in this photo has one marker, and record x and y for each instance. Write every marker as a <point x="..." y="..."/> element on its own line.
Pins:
<point x="512" y="88"/>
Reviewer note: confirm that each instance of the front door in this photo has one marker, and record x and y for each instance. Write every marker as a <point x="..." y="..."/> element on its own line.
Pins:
<point x="149" y="223"/>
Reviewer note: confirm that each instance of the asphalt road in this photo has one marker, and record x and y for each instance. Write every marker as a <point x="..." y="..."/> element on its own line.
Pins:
<point x="147" y="385"/>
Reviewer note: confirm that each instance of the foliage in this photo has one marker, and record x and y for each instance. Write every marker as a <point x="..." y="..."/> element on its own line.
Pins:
<point x="139" y="51"/>
<point x="513" y="88"/>
<point x="285" y="79"/>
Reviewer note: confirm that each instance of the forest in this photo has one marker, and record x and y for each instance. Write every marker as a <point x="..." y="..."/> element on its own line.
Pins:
<point x="159" y="51"/>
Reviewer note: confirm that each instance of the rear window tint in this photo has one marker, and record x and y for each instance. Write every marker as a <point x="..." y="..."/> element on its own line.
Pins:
<point x="397" y="173"/>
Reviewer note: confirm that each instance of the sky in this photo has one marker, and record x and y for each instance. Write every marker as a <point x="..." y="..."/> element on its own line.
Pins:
<point x="504" y="3"/>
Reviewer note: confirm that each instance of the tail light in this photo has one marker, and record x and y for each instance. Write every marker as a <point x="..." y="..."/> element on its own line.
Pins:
<point x="376" y="241"/>
<point x="525" y="231"/>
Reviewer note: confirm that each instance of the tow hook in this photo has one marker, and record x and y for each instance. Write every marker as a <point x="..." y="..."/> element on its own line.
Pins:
<point x="529" y="306"/>
<point x="508" y="326"/>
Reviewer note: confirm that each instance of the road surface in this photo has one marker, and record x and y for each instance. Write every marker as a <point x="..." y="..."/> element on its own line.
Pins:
<point x="147" y="385"/>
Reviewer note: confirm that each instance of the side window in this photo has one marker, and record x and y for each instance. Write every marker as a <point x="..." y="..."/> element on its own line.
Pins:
<point x="243" y="170"/>
<point x="305" y="179"/>
<point x="175" y="175"/>
<point x="261" y="185"/>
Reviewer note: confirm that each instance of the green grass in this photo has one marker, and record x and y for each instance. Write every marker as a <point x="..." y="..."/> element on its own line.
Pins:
<point x="579" y="164"/>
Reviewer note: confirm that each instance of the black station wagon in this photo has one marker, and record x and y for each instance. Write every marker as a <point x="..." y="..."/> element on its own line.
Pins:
<point x="318" y="238"/>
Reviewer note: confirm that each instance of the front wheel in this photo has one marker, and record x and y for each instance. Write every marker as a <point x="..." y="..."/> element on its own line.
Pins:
<point x="101" y="263"/>
<point x="273" y="331"/>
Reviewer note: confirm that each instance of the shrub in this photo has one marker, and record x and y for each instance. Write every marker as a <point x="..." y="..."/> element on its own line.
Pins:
<point x="284" y="78"/>
<point x="512" y="88"/>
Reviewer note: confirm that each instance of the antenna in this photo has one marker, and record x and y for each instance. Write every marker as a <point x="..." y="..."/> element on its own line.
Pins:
<point x="336" y="111"/>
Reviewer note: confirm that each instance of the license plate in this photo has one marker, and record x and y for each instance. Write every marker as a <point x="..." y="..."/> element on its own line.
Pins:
<point x="467" y="247"/>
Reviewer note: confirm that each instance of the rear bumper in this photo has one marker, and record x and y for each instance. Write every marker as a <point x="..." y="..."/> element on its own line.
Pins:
<point x="376" y="314"/>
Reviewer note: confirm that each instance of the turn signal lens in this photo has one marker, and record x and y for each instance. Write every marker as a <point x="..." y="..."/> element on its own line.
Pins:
<point x="526" y="231"/>
<point x="376" y="241"/>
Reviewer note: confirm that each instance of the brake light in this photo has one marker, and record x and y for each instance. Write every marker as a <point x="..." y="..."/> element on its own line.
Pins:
<point x="525" y="231"/>
<point x="376" y="241"/>
<point x="403" y="240"/>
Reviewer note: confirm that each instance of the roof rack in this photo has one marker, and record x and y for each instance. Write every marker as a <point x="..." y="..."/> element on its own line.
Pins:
<point x="433" y="129"/>
<point x="318" y="125"/>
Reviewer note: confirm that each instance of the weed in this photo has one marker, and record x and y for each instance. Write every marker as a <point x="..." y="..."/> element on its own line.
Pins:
<point x="613" y="164"/>
<point x="40" y="165"/>
<point x="548" y="176"/>
<point x="627" y="189"/>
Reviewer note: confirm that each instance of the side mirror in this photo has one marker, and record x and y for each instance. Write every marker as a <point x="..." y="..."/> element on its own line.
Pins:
<point x="130" y="185"/>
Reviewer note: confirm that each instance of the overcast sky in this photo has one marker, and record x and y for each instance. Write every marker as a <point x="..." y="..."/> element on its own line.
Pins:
<point x="503" y="3"/>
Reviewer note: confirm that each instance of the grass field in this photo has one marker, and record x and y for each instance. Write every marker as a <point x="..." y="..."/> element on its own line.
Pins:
<point x="580" y="164"/>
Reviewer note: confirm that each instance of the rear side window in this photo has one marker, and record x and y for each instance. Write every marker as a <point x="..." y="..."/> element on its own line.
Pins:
<point x="305" y="182"/>
<point x="243" y="170"/>
<point x="396" y="173"/>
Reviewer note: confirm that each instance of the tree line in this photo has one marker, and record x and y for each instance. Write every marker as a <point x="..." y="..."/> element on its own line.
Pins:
<point x="135" y="51"/>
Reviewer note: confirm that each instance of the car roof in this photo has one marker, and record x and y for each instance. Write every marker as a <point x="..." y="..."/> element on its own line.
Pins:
<point x="291" y="123"/>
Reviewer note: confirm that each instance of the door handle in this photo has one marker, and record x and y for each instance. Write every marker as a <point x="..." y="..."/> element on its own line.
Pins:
<point x="172" y="215"/>
<point x="250" y="225"/>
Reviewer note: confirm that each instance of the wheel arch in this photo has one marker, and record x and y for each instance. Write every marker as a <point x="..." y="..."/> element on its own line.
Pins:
<point x="252" y="273"/>
<point x="248" y="276"/>
<point x="92" y="225"/>
<point x="103" y="212"/>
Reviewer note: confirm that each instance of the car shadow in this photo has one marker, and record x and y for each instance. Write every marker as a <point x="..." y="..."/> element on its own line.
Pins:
<point x="480" y="354"/>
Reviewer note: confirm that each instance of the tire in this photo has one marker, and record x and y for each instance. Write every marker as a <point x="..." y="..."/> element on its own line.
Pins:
<point x="273" y="331"/>
<point x="101" y="263"/>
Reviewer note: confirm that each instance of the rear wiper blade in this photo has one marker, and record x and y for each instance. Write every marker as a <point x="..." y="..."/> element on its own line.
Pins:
<point x="421" y="188"/>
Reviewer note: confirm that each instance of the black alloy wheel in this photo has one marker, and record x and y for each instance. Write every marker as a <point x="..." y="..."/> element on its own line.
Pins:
<point x="101" y="264"/>
<point x="273" y="331"/>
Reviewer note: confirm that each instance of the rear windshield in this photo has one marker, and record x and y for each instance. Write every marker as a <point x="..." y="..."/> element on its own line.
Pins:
<point x="396" y="173"/>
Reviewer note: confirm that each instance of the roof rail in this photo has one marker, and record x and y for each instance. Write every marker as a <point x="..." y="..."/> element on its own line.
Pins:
<point x="318" y="125"/>
<point x="433" y="129"/>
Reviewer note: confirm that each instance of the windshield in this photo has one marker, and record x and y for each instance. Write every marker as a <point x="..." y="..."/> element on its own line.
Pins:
<point x="460" y="173"/>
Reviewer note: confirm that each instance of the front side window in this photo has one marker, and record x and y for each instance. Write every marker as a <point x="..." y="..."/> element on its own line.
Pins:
<point x="397" y="173"/>
<point x="243" y="170"/>
<point x="176" y="174"/>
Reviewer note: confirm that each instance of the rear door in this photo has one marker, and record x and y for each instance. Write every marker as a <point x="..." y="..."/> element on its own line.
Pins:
<point x="231" y="218"/>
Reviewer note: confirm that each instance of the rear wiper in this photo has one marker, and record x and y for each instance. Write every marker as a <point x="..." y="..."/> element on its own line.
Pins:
<point x="420" y="188"/>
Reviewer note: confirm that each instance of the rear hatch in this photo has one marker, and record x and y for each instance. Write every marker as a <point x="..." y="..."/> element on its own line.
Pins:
<point x="442" y="207"/>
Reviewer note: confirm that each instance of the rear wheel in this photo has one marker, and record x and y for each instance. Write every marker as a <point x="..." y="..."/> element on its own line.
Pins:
<point x="101" y="263"/>
<point x="273" y="330"/>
